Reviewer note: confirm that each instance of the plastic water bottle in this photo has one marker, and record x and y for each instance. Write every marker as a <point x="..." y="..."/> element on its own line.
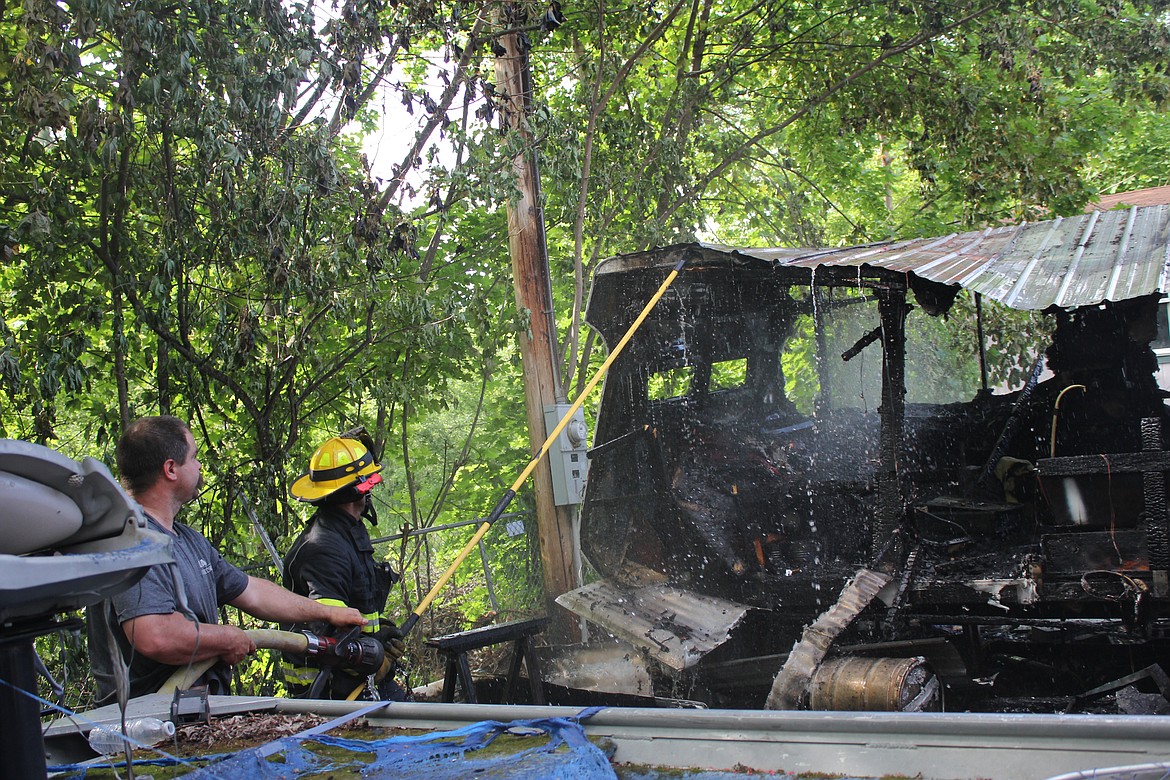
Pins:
<point x="107" y="740"/>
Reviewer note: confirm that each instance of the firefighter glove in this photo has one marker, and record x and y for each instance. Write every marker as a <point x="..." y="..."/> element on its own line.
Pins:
<point x="392" y="639"/>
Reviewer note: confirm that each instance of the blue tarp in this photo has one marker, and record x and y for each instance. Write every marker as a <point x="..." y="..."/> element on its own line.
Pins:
<point x="560" y="750"/>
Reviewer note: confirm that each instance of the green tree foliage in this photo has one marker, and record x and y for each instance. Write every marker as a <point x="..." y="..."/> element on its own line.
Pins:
<point x="184" y="211"/>
<point x="187" y="230"/>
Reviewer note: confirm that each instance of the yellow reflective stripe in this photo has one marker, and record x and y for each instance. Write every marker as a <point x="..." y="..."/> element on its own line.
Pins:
<point x="298" y="675"/>
<point x="370" y="628"/>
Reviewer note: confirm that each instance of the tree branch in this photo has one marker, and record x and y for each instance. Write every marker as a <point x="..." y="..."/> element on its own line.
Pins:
<point x="735" y="156"/>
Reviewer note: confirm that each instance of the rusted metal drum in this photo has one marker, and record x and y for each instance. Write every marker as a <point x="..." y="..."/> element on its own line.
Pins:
<point x="876" y="685"/>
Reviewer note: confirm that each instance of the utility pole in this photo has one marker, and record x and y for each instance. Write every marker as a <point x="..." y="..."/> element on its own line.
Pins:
<point x="533" y="288"/>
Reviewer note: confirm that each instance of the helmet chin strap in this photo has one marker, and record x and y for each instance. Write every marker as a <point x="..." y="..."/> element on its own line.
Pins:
<point x="369" y="512"/>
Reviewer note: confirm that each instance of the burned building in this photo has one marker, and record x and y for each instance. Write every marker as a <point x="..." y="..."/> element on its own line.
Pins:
<point x="774" y="522"/>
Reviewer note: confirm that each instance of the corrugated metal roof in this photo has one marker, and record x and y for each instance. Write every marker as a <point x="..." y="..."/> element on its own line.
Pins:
<point x="1150" y="196"/>
<point x="1067" y="262"/>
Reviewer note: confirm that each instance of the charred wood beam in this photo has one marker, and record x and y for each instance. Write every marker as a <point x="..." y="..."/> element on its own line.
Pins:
<point x="1157" y="520"/>
<point x="828" y="303"/>
<point x="987" y="479"/>
<point x="982" y="341"/>
<point x="1112" y="463"/>
<point x="862" y="343"/>
<point x="1004" y="622"/>
<point x="850" y="280"/>
<point x="890" y="501"/>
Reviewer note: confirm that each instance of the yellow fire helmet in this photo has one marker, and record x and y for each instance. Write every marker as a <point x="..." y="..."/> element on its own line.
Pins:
<point x="337" y="464"/>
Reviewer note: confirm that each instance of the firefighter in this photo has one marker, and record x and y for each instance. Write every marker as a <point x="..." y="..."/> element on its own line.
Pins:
<point x="332" y="561"/>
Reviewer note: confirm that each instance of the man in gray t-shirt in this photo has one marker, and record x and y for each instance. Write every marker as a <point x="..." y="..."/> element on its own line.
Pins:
<point x="194" y="587"/>
<point x="170" y="619"/>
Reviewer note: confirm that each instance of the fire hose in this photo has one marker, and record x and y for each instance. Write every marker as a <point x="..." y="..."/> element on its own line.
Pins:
<point x="359" y="654"/>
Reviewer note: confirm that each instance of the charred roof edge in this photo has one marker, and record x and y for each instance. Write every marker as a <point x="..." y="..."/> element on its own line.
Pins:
<point x="1071" y="262"/>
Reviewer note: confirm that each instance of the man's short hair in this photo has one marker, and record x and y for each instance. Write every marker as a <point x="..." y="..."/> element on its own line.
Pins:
<point x="146" y="445"/>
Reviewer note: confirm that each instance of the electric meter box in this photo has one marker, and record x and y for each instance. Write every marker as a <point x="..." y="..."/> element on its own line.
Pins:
<point x="566" y="455"/>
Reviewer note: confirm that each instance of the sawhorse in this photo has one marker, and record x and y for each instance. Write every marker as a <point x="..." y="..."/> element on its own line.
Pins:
<point x="455" y="647"/>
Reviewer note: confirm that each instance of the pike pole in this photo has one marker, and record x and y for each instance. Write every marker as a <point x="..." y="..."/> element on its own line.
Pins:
<point x="408" y="625"/>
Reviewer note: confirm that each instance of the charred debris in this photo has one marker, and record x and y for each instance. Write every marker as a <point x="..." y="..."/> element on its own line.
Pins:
<point x="839" y="546"/>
